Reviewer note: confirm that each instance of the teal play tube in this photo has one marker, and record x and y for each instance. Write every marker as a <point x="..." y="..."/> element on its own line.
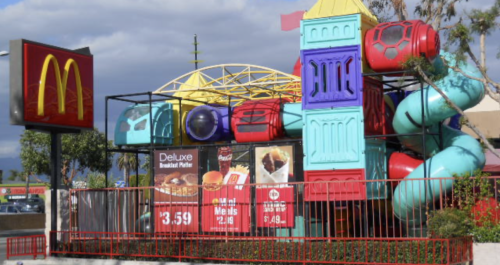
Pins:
<point x="461" y="153"/>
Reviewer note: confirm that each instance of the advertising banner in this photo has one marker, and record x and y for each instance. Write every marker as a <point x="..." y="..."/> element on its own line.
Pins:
<point x="273" y="164"/>
<point x="176" y="190"/>
<point x="275" y="198"/>
<point x="226" y="205"/>
<point x="176" y="176"/>
<point x="21" y="190"/>
<point x="226" y="210"/>
<point x="275" y="207"/>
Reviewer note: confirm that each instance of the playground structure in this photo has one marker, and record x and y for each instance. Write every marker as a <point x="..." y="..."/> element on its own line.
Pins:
<point x="341" y="153"/>
<point x="343" y="106"/>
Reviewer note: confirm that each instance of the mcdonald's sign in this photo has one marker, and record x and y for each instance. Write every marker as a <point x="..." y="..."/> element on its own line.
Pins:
<point x="51" y="88"/>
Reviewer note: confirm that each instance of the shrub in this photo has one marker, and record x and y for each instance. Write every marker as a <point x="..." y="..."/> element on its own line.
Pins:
<point x="449" y="223"/>
<point x="486" y="234"/>
<point x="261" y="252"/>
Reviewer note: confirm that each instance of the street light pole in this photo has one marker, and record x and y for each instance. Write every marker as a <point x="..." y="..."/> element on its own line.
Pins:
<point x="4" y="53"/>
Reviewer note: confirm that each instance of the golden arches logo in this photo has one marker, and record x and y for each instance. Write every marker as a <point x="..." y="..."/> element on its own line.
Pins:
<point x="61" y="85"/>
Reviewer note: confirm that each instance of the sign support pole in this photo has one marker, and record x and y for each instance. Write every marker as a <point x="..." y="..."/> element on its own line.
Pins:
<point x="55" y="170"/>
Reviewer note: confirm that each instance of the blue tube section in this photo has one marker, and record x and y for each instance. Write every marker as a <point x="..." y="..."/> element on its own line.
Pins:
<point x="461" y="153"/>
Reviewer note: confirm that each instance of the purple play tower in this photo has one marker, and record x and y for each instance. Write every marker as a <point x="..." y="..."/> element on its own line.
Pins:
<point x="209" y="123"/>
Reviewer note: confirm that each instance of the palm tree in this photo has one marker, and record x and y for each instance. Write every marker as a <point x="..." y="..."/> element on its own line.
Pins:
<point x="126" y="162"/>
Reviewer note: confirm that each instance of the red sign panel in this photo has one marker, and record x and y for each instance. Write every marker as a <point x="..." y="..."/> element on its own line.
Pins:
<point x="226" y="209"/>
<point x="57" y="86"/>
<point x="275" y="207"/>
<point x="21" y="190"/>
<point x="176" y="218"/>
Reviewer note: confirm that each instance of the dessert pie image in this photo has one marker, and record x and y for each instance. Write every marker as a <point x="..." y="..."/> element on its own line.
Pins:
<point x="177" y="184"/>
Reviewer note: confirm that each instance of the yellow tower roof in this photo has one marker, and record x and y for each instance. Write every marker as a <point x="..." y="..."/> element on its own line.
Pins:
<point x="195" y="81"/>
<point x="331" y="8"/>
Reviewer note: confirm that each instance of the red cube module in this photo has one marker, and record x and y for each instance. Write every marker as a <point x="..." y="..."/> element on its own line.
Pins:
<point x="373" y="106"/>
<point x="335" y="185"/>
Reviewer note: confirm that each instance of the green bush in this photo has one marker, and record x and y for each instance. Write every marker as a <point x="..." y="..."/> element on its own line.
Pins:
<point x="261" y="252"/>
<point x="449" y="223"/>
<point x="468" y="189"/>
<point x="486" y="234"/>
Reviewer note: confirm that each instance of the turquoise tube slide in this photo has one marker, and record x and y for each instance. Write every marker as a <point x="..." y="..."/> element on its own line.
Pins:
<point x="461" y="153"/>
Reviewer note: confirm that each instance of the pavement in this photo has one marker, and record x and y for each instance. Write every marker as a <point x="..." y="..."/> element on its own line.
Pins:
<point x="58" y="261"/>
<point x="15" y="233"/>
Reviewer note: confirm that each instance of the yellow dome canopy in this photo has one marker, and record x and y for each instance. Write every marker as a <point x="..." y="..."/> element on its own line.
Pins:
<point x="331" y="8"/>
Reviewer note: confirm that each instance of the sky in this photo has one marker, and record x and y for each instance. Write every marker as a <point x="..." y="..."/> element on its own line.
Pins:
<point x="139" y="45"/>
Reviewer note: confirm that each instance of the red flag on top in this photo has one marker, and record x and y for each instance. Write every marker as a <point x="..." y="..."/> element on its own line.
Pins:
<point x="297" y="67"/>
<point x="291" y="21"/>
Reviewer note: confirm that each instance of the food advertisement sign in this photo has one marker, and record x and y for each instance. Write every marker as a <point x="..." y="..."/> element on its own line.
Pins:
<point x="273" y="164"/>
<point x="275" y="207"/>
<point x="176" y="191"/>
<point x="275" y="198"/>
<point x="179" y="218"/>
<point x="226" y="205"/>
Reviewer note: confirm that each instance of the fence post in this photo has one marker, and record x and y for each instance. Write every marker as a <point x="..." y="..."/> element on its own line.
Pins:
<point x="471" y="251"/>
<point x="180" y="247"/>
<point x="8" y="248"/>
<point x="111" y="246"/>
<point x="448" y="251"/>
<point x="44" y="247"/>
<point x="33" y="246"/>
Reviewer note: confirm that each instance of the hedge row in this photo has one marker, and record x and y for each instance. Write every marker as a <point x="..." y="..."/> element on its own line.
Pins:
<point x="396" y="252"/>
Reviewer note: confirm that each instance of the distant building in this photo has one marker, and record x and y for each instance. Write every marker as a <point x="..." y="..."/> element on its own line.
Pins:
<point x="79" y="184"/>
<point x="486" y="116"/>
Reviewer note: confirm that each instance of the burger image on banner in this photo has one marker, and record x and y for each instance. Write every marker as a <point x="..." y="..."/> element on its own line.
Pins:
<point x="273" y="164"/>
<point x="212" y="180"/>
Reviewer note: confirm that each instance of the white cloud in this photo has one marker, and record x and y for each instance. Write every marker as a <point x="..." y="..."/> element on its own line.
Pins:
<point x="9" y="149"/>
<point x="139" y="45"/>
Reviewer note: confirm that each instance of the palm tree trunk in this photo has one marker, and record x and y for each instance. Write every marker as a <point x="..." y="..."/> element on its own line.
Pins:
<point x="126" y="172"/>
<point x="27" y="185"/>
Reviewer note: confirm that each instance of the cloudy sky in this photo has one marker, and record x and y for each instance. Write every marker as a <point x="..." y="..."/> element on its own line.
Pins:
<point x="139" y="45"/>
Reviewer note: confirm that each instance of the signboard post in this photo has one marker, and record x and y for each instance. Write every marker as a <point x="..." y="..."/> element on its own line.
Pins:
<point x="51" y="90"/>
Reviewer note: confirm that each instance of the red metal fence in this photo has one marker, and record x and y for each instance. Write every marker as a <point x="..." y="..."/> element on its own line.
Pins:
<point x="308" y="209"/>
<point x="307" y="222"/>
<point x="26" y="246"/>
<point x="265" y="249"/>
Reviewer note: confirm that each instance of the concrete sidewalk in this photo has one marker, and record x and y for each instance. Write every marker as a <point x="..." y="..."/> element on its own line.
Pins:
<point x="58" y="261"/>
<point x="23" y="232"/>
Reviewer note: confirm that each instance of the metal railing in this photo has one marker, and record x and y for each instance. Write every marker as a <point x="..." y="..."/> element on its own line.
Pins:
<point x="197" y="248"/>
<point x="308" y="209"/>
<point x="296" y="222"/>
<point x="26" y="246"/>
